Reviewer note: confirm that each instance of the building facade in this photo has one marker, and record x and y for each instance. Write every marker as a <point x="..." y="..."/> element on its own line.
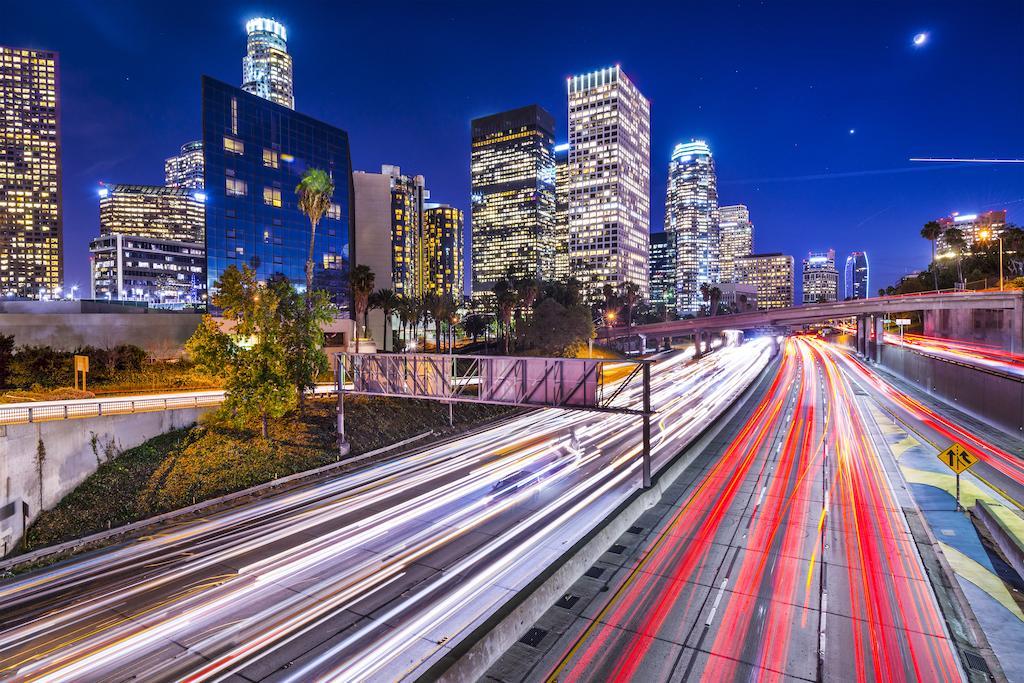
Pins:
<point x="513" y="198"/>
<point x="691" y="219"/>
<point x="663" y="271"/>
<point x="771" y="275"/>
<point x="820" y="277"/>
<point x="255" y="152"/>
<point x="164" y="273"/>
<point x="185" y="169"/>
<point x="31" y="218"/>
<point x="856" y="283"/>
<point x="561" y="272"/>
<point x="166" y="213"/>
<point x="974" y="227"/>
<point x="738" y="297"/>
<point x="737" y="238"/>
<point x="442" y="249"/>
<point x="609" y="182"/>
<point x="267" y="66"/>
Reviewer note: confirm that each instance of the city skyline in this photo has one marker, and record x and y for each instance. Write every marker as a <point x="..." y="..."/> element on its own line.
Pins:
<point x="859" y="181"/>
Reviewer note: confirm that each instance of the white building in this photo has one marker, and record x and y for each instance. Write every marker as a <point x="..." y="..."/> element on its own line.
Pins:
<point x="267" y="66"/>
<point x="691" y="219"/>
<point x="186" y="169"/>
<point x="820" y="277"/>
<point x="737" y="238"/>
<point x="609" y="181"/>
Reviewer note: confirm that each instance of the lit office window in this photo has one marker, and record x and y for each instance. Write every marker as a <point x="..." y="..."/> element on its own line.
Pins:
<point x="233" y="146"/>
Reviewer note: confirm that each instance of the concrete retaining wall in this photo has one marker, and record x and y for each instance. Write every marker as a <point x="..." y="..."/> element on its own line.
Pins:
<point x="161" y="334"/>
<point x="74" y="449"/>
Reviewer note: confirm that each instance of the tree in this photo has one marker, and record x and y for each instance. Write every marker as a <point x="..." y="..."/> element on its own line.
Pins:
<point x="302" y="334"/>
<point x="955" y="239"/>
<point x="387" y="301"/>
<point x="6" y="357"/>
<point x="409" y="314"/>
<point x="315" y="191"/>
<point x="557" y="330"/>
<point x="270" y="331"/>
<point x="506" y="298"/>
<point x="630" y="296"/>
<point x="474" y="326"/>
<point x="361" y="278"/>
<point x="931" y="232"/>
<point x="715" y="297"/>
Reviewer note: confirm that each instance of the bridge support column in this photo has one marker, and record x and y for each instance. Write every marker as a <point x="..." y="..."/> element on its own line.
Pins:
<point x="879" y="337"/>
<point x="862" y="336"/>
<point x="698" y="340"/>
<point x="667" y="343"/>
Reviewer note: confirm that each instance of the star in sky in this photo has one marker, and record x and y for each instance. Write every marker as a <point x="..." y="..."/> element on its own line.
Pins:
<point x="920" y="39"/>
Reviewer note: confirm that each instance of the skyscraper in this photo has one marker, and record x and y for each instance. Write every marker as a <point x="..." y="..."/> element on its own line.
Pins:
<point x="973" y="227"/>
<point x="691" y="220"/>
<point x="267" y="66"/>
<point x="513" y="198"/>
<point x="562" y="212"/>
<point x="737" y="238"/>
<point x="168" y="213"/>
<point x="185" y="169"/>
<point x="663" y="271"/>
<point x="856" y="281"/>
<point x="772" y="278"/>
<point x="609" y="182"/>
<point x="255" y="152"/>
<point x="31" y="220"/>
<point x="820" y="277"/>
<point x="442" y="251"/>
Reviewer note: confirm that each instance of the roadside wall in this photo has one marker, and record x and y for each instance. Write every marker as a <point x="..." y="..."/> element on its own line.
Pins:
<point x="74" y="449"/>
<point x="1000" y="328"/>
<point x="161" y="334"/>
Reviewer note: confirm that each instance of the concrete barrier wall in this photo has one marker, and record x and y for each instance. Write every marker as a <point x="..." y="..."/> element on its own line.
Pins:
<point x="161" y="334"/>
<point x="74" y="449"/>
<point x="997" y="399"/>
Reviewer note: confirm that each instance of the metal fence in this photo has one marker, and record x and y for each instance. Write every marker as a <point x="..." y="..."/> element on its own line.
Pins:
<point x="73" y="410"/>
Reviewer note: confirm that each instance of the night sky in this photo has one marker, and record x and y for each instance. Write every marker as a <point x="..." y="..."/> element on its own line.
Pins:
<point x="774" y="87"/>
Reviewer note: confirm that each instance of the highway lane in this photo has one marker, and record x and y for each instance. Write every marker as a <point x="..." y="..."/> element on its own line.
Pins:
<point x="370" y="575"/>
<point x="972" y="353"/>
<point x="787" y="557"/>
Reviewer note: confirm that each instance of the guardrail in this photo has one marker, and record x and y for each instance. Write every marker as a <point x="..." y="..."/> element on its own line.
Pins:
<point x="77" y="410"/>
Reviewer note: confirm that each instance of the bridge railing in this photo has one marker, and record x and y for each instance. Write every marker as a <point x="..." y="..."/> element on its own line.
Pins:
<point x="72" y="410"/>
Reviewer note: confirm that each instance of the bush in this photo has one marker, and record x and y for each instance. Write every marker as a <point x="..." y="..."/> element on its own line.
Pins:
<point x="41" y="365"/>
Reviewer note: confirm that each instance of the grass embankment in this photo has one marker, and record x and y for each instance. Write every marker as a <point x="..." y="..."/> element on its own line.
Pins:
<point x="191" y="465"/>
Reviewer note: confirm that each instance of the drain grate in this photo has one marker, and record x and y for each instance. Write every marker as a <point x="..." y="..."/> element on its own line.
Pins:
<point x="634" y="529"/>
<point x="594" y="572"/>
<point x="617" y="549"/>
<point x="567" y="601"/>
<point x="976" y="662"/>
<point x="533" y="637"/>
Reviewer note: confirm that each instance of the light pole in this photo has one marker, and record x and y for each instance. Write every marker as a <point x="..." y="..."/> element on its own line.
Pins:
<point x="987" y="236"/>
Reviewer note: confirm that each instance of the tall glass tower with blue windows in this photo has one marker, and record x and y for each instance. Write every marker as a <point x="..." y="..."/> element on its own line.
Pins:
<point x="255" y="152"/>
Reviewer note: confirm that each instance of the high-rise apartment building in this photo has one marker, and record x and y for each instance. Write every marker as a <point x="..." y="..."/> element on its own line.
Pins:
<point x="609" y="182"/>
<point x="255" y="152"/>
<point x="663" y="271"/>
<point x="31" y="220"/>
<point x="513" y="198"/>
<point x="167" y="213"/>
<point x="691" y="220"/>
<point x="820" y="277"/>
<point x="973" y="226"/>
<point x="737" y="238"/>
<point x="562" y="212"/>
<point x="185" y="169"/>
<point x="267" y="66"/>
<point x="855" y="281"/>
<point x="772" y="278"/>
<point x="442" y="250"/>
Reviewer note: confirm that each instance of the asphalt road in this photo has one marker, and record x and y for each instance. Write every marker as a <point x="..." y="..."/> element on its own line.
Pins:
<point x="787" y="557"/>
<point x="372" y="575"/>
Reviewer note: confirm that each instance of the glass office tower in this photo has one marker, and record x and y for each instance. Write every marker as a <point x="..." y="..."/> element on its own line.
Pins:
<point x="736" y="233"/>
<point x="691" y="218"/>
<point x="856" y="276"/>
<point x="255" y="152"/>
<point x="562" y="212"/>
<point x="185" y="169"/>
<point x="820" y="277"/>
<point x="442" y="249"/>
<point x="663" y="271"/>
<point x="267" y="66"/>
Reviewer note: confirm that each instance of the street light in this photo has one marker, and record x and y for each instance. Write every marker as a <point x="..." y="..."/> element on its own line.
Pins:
<point x="986" y="236"/>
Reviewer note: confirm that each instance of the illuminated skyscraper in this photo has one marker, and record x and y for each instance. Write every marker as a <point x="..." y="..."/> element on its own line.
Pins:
<point x="856" y="281"/>
<point x="267" y="66"/>
<point x="31" y="221"/>
<point x="691" y="220"/>
<point x="513" y="198"/>
<point x="973" y="227"/>
<point x="562" y="212"/>
<point x="737" y="238"/>
<point x="609" y="182"/>
<point x="442" y="251"/>
<point x="820" y="277"/>
<point x="168" y="213"/>
<point x="186" y="168"/>
<point x="663" y="271"/>
<point x="772" y="278"/>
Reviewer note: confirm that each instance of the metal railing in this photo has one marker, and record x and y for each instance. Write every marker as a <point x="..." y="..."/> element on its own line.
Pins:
<point x="74" y="410"/>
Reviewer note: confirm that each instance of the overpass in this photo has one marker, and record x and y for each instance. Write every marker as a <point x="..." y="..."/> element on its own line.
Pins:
<point x="989" y="316"/>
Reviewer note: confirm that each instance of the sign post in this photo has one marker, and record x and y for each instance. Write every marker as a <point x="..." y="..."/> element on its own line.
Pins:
<point x="958" y="459"/>
<point x="81" y="365"/>
<point x="902" y="322"/>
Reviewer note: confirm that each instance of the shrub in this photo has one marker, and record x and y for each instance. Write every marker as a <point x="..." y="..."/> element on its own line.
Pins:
<point x="41" y="365"/>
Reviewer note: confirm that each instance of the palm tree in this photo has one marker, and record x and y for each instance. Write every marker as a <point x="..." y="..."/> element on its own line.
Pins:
<point x="955" y="239"/>
<point x="630" y="296"/>
<point x="931" y="232"/>
<point x="506" y="299"/>
<point x="474" y="326"/>
<point x="387" y="301"/>
<point x="315" y="191"/>
<point x="408" y="313"/>
<point x="361" y="278"/>
<point x="705" y="291"/>
<point x="715" y="296"/>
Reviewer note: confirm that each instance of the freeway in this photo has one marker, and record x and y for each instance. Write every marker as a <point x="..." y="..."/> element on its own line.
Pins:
<point x="372" y="575"/>
<point x="787" y="557"/>
<point x="971" y="353"/>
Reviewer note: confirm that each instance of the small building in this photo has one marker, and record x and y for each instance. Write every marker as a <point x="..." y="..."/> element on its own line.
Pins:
<point x="162" y="273"/>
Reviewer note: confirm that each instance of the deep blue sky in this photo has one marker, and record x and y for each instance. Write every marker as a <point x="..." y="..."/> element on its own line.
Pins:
<point x="774" y="87"/>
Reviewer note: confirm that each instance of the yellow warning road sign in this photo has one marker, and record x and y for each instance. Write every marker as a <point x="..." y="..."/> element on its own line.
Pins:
<point x="957" y="458"/>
